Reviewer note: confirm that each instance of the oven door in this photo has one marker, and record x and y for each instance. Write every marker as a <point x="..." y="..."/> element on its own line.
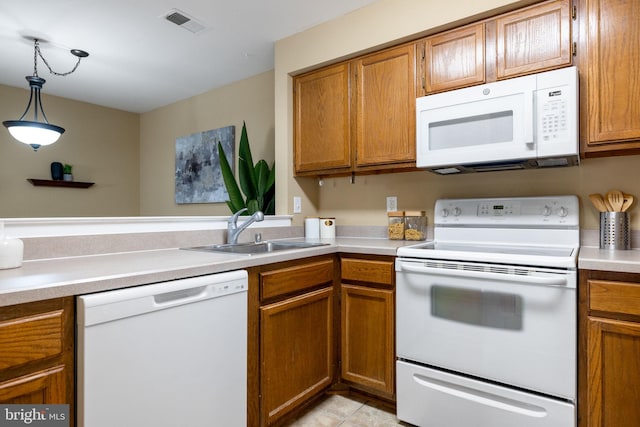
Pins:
<point x="513" y="325"/>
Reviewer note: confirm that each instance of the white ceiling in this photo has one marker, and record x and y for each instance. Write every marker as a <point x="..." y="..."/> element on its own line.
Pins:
<point x="140" y="61"/>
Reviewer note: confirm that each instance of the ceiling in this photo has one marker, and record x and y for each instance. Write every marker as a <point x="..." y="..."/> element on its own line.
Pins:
<point x="139" y="60"/>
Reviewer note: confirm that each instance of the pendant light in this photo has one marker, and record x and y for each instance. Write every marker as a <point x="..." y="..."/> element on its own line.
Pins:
<point x="38" y="132"/>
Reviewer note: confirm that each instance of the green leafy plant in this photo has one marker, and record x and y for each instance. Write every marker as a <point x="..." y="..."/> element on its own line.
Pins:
<point x="67" y="168"/>
<point x="256" y="181"/>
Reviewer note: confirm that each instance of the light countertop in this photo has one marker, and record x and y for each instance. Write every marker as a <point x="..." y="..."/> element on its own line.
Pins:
<point x="593" y="258"/>
<point x="54" y="278"/>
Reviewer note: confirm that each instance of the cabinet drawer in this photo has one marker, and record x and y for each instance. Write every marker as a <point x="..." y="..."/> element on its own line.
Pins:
<point x="617" y="297"/>
<point x="365" y="270"/>
<point x="30" y="338"/>
<point x="295" y="279"/>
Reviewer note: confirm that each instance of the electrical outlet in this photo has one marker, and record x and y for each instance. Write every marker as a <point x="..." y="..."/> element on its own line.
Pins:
<point x="392" y="203"/>
<point x="297" y="205"/>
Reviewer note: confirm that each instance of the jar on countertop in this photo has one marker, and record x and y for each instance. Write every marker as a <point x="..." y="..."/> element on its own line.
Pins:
<point x="415" y="225"/>
<point x="396" y="225"/>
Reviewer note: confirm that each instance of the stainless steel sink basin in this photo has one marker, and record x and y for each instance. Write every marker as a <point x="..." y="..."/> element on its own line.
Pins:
<point x="256" y="248"/>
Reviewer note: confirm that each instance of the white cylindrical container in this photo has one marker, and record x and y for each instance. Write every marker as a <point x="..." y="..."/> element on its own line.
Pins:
<point x="312" y="228"/>
<point x="11" y="250"/>
<point x="327" y="228"/>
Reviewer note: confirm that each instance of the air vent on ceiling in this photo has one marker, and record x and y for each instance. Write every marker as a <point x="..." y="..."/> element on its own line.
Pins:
<point x="185" y="21"/>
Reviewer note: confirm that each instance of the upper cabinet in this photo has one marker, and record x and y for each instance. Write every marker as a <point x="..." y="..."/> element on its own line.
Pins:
<point x="385" y="106"/>
<point x="533" y="39"/>
<point x="357" y="116"/>
<point x="529" y="40"/>
<point x="609" y="66"/>
<point x="322" y="120"/>
<point x="452" y="59"/>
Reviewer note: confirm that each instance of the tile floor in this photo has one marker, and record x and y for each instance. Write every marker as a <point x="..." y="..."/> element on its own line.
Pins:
<point x="346" y="411"/>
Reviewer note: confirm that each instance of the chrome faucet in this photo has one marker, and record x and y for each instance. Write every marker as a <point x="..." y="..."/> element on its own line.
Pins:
<point x="233" y="231"/>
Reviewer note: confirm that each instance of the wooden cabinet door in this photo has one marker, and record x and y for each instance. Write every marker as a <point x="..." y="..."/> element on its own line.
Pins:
<point x="533" y="39"/>
<point x="386" y="108"/>
<point x="613" y="368"/>
<point x="297" y="352"/>
<point x="47" y="386"/>
<point x="453" y="59"/>
<point x="368" y="352"/>
<point x="610" y="102"/>
<point x="322" y="136"/>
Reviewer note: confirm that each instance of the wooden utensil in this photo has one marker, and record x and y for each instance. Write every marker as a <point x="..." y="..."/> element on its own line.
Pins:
<point x="628" y="201"/>
<point x="616" y="200"/>
<point x="598" y="202"/>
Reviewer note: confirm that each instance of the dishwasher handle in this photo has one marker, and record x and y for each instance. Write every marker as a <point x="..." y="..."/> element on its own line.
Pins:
<point x="110" y="306"/>
<point x="559" y="280"/>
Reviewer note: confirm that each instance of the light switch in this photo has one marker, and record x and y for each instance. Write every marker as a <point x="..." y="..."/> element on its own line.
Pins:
<point x="297" y="204"/>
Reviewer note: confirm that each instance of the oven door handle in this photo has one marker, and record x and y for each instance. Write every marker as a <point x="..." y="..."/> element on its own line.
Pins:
<point x="481" y="397"/>
<point x="534" y="280"/>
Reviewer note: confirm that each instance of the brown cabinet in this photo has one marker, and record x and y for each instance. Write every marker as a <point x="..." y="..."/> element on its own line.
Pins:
<point x="609" y="53"/>
<point x="292" y="317"/>
<point x="368" y="324"/>
<point x="609" y="352"/>
<point x="453" y="59"/>
<point x="529" y="40"/>
<point x="385" y="108"/>
<point x="322" y="117"/>
<point x="37" y="353"/>
<point x="357" y="116"/>
<point x="533" y="39"/>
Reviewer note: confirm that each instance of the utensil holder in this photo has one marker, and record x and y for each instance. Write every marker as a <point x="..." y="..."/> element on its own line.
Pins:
<point x="614" y="230"/>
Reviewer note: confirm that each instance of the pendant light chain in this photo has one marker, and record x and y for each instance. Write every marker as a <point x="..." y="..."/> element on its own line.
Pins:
<point x="37" y="53"/>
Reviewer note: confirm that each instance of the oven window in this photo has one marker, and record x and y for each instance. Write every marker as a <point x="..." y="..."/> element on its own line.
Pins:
<point x="490" y="128"/>
<point x="477" y="307"/>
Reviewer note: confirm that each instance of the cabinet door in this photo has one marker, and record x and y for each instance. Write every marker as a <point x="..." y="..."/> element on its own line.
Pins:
<point x="611" y="101"/>
<point x="613" y="368"/>
<point x="454" y="59"/>
<point x="322" y="137"/>
<point x="297" y="356"/>
<point x="47" y="386"/>
<point x="368" y="338"/>
<point x="534" y="39"/>
<point x="386" y="109"/>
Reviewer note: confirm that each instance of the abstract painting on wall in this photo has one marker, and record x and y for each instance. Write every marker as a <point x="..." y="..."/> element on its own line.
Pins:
<point x="198" y="174"/>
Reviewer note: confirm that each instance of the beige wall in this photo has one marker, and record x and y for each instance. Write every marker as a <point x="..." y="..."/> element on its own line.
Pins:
<point x="249" y="100"/>
<point x="101" y="144"/>
<point x="364" y="201"/>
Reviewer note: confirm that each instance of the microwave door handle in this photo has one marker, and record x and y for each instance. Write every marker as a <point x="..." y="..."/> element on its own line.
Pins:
<point x="528" y="119"/>
<point x="532" y="280"/>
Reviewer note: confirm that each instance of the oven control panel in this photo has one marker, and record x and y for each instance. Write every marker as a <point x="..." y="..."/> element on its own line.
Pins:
<point x="517" y="211"/>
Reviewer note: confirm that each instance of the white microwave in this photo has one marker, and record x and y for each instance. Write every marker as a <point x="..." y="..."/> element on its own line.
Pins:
<point x="520" y="123"/>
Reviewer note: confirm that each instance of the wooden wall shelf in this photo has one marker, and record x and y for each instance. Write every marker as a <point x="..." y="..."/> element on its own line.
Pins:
<point x="52" y="183"/>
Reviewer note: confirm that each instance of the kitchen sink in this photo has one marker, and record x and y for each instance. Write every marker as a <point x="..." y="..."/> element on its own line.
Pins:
<point x="256" y="248"/>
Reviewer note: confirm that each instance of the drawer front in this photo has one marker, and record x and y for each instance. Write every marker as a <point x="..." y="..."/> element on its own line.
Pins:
<point x="30" y="338"/>
<point x="616" y="297"/>
<point x="295" y="279"/>
<point x="365" y="270"/>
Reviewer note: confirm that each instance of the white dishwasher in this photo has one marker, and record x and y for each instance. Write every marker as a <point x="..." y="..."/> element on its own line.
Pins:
<point x="170" y="354"/>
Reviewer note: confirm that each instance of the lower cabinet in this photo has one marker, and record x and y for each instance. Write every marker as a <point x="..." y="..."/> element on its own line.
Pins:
<point x="367" y="309"/>
<point x="37" y="353"/>
<point x="609" y="361"/>
<point x="295" y="323"/>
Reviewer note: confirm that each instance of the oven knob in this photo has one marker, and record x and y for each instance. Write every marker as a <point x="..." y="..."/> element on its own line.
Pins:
<point x="546" y="211"/>
<point x="563" y="211"/>
<point x="457" y="211"/>
<point x="444" y="212"/>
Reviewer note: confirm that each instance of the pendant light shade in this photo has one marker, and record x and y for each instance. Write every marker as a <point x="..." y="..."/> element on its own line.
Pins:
<point x="34" y="133"/>
<point x="39" y="131"/>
